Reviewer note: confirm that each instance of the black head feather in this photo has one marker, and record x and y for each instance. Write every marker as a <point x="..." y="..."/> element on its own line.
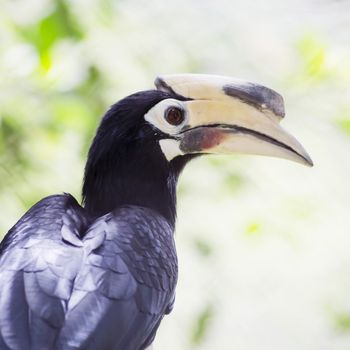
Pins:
<point x="125" y="164"/>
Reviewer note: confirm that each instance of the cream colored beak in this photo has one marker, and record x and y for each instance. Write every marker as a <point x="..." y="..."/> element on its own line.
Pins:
<point x="231" y="116"/>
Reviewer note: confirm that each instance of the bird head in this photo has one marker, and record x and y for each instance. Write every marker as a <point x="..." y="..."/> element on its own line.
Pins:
<point x="222" y="115"/>
<point x="144" y="140"/>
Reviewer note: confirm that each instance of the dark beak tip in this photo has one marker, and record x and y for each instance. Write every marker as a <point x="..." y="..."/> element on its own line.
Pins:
<point x="307" y="161"/>
<point x="310" y="163"/>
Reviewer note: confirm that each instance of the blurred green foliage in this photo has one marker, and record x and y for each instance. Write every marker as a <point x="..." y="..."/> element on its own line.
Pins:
<point x="313" y="52"/>
<point x="203" y="247"/>
<point x="253" y="228"/>
<point x="39" y="110"/>
<point x="202" y="324"/>
<point x="342" y="322"/>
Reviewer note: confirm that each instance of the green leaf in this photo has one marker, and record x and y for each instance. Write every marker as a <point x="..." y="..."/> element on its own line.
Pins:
<point x="253" y="228"/>
<point x="313" y="53"/>
<point x="43" y="35"/>
<point x="203" y="247"/>
<point x="344" y="125"/>
<point x="342" y="322"/>
<point x="202" y="325"/>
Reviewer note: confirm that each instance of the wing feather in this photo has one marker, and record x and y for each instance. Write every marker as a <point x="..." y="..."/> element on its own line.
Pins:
<point x="72" y="283"/>
<point x="125" y="285"/>
<point x="37" y="271"/>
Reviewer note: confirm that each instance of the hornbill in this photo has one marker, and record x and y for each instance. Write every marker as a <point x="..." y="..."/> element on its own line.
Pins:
<point x="102" y="275"/>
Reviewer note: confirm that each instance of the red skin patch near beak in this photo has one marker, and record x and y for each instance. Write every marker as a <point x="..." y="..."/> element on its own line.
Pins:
<point x="202" y="138"/>
<point x="212" y="137"/>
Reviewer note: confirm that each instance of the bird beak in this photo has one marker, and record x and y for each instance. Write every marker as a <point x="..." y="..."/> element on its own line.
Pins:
<point x="231" y="116"/>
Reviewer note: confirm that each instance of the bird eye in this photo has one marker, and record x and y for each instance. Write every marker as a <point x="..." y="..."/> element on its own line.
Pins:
<point x="174" y="116"/>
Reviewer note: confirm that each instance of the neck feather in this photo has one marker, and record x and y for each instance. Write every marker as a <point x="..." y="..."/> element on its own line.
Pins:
<point x="130" y="177"/>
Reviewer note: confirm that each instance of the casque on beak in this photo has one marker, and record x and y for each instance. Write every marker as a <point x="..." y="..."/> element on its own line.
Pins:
<point x="226" y="115"/>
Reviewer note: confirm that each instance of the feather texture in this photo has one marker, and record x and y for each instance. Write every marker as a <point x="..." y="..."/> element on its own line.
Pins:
<point x="69" y="281"/>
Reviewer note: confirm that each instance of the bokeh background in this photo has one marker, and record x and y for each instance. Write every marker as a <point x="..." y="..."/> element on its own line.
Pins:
<point x="263" y="244"/>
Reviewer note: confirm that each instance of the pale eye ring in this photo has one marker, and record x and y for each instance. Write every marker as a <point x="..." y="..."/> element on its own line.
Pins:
<point x="174" y="116"/>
